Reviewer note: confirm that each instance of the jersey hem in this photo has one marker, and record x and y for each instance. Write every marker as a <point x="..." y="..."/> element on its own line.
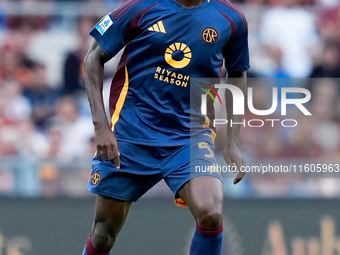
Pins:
<point x="152" y="143"/>
<point x="180" y="142"/>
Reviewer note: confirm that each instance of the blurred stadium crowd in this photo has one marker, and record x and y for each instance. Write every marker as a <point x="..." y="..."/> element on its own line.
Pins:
<point x="46" y="134"/>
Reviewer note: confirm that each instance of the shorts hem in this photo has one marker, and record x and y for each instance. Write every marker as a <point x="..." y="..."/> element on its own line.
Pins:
<point x="110" y="195"/>
<point x="192" y="177"/>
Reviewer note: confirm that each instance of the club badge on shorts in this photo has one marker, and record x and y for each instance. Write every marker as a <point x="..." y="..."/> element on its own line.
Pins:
<point x="95" y="179"/>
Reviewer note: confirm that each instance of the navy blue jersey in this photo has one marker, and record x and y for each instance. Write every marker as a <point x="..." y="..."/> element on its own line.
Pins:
<point x="166" y="46"/>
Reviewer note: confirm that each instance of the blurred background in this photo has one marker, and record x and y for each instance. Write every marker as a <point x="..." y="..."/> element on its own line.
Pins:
<point x="46" y="132"/>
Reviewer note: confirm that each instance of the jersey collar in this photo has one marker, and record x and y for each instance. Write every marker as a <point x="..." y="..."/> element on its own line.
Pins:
<point x="196" y="9"/>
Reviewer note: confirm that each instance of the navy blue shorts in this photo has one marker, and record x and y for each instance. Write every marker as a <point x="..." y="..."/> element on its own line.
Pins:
<point x="141" y="167"/>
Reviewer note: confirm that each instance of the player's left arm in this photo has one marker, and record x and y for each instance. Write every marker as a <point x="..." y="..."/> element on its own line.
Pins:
<point x="236" y="55"/>
<point x="231" y="152"/>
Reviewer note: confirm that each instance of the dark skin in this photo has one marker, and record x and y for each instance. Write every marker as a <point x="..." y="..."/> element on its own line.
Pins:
<point x="203" y="195"/>
<point x="104" y="139"/>
<point x="231" y="152"/>
<point x="110" y="214"/>
<point x="190" y="3"/>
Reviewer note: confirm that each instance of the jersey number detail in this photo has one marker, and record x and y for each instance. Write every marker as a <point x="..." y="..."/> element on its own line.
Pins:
<point x="204" y="145"/>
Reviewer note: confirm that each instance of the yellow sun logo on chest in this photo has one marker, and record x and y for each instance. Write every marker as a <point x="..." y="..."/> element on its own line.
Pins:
<point x="178" y="55"/>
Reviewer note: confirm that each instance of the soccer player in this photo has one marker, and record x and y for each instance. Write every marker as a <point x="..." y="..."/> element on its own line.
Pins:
<point x="157" y="130"/>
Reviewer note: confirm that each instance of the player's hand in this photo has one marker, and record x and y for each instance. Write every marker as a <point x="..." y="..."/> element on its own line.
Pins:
<point x="232" y="155"/>
<point x="106" y="146"/>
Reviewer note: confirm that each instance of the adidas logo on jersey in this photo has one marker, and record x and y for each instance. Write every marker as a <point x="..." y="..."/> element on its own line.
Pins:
<point x="157" y="27"/>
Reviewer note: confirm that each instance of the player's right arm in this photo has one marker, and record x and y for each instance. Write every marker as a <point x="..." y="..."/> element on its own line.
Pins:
<point x="105" y="140"/>
<point x="111" y="34"/>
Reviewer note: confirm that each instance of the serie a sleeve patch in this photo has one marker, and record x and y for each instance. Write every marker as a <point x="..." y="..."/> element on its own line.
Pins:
<point x="104" y="24"/>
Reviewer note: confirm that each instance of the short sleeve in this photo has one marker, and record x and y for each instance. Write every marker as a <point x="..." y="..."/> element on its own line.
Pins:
<point x="117" y="28"/>
<point x="236" y="51"/>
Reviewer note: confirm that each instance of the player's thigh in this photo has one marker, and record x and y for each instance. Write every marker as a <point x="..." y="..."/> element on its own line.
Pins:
<point x="197" y="180"/>
<point x="204" y="196"/>
<point x="110" y="215"/>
